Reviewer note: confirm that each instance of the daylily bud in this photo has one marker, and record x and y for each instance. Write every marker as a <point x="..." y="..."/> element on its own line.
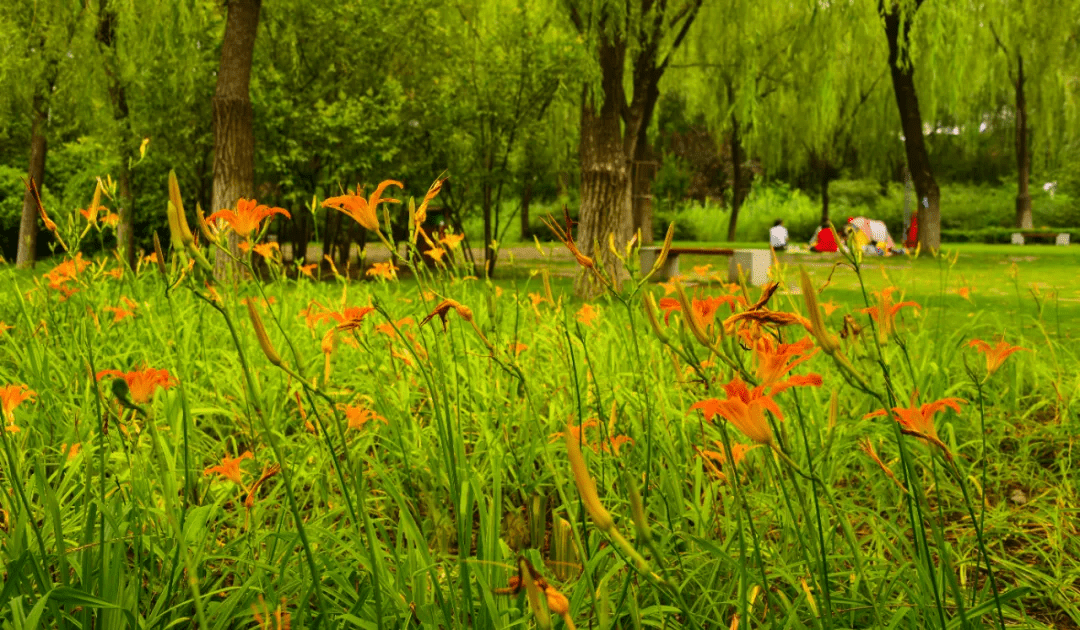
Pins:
<point x="204" y="229"/>
<point x="174" y="226"/>
<point x="174" y="196"/>
<point x="662" y="256"/>
<point x="688" y="317"/>
<point x="159" y="256"/>
<point x="260" y="334"/>
<point x="586" y="487"/>
<point x="654" y="323"/>
<point x="637" y="510"/>
<point x="828" y="342"/>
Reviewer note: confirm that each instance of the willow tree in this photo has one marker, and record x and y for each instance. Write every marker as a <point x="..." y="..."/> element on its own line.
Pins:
<point x="742" y="55"/>
<point x="829" y="115"/>
<point x="632" y="44"/>
<point x="898" y="17"/>
<point x="1031" y="44"/>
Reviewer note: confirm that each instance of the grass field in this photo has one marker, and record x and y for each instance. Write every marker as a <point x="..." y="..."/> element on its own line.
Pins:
<point x="382" y="458"/>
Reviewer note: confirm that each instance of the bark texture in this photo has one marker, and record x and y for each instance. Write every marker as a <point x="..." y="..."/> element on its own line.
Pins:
<point x="897" y="31"/>
<point x="28" y="226"/>
<point x="1024" y="219"/>
<point x="612" y="126"/>
<point x="606" y="194"/>
<point x="234" y="140"/>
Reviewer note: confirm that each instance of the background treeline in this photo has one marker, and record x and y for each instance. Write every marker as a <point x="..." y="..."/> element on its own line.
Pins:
<point x="743" y="111"/>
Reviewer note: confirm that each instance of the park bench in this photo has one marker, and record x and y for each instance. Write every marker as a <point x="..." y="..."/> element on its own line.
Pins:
<point x="1060" y="238"/>
<point x="754" y="263"/>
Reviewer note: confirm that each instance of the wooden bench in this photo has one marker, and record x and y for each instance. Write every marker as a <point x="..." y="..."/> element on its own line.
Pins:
<point x="754" y="263"/>
<point x="1060" y="238"/>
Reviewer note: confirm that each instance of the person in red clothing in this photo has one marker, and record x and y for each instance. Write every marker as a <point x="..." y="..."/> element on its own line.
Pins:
<point x="824" y="239"/>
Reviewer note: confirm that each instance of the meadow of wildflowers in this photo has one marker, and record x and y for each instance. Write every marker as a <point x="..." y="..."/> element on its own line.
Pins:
<point x="296" y="447"/>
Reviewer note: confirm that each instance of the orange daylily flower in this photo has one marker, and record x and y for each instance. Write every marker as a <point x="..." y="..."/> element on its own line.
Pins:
<point x="266" y="250"/>
<point x="421" y="213"/>
<point x="452" y="240"/>
<point x="388" y="330"/>
<point x="442" y="310"/>
<point x="435" y="253"/>
<point x="66" y="271"/>
<point x="229" y="468"/>
<point x="918" y="420"/>
<point x="996" y="354"/>
<point x="141" y="383"/>
<point x="91" y="211"/>
<point x="267" y="473"/>
<point x="965" y="293"/>
<point x="277" y="620"/>
<point x="829" y="307"/>
<point x="350" y="317"/>
<point x="704" y="309"/>
<point x="745" y="408"/>
<point x="587" y="313"/>
<point x="363" y="211"/>
<point x="384" y="270"/>
<point x="72" y="452"/>
<point x="718" y="459"/>
<point x="308" y="269"/>
<point x="4" y="327"/>
<point x="614" y="442"/>
<point x="119" y="313"/>
<point x="11" y="396"/>
<point x="115" y="273"/>
<point x="566" y="237"/>
<point x="702" y="270"/>
<point x="111" y="219"/>
<point x="358" y="416"/>
<point x="885" y="312"/>
<point x="248" y="216"/>
<point x="775" y="361"/>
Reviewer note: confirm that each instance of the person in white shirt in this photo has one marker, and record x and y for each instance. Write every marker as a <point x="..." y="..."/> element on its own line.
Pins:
<point x="778" y="236"/>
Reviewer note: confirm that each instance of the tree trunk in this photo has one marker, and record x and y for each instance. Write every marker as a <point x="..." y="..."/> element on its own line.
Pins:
<point x="106" y="37"/>
<point x="897" y="31"/>
<point x="738" y="192"/>
<point x="606" y="202"/>
<point x="234" y="140"/>
<point x="28" y="227"/>
<point x="526" y="199"/>
<point x="644" y="169"/>
<point x="487" y="203"/>
<point x="1023" y="153"/>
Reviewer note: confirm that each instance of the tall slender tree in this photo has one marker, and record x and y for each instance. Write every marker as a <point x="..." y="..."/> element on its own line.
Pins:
<point x="898" y="18"/>
<point x="1034" y="44"/>
<point x="633" y="44"/>
<point x="234" y="140"/>
<point x="50" y="31"/>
